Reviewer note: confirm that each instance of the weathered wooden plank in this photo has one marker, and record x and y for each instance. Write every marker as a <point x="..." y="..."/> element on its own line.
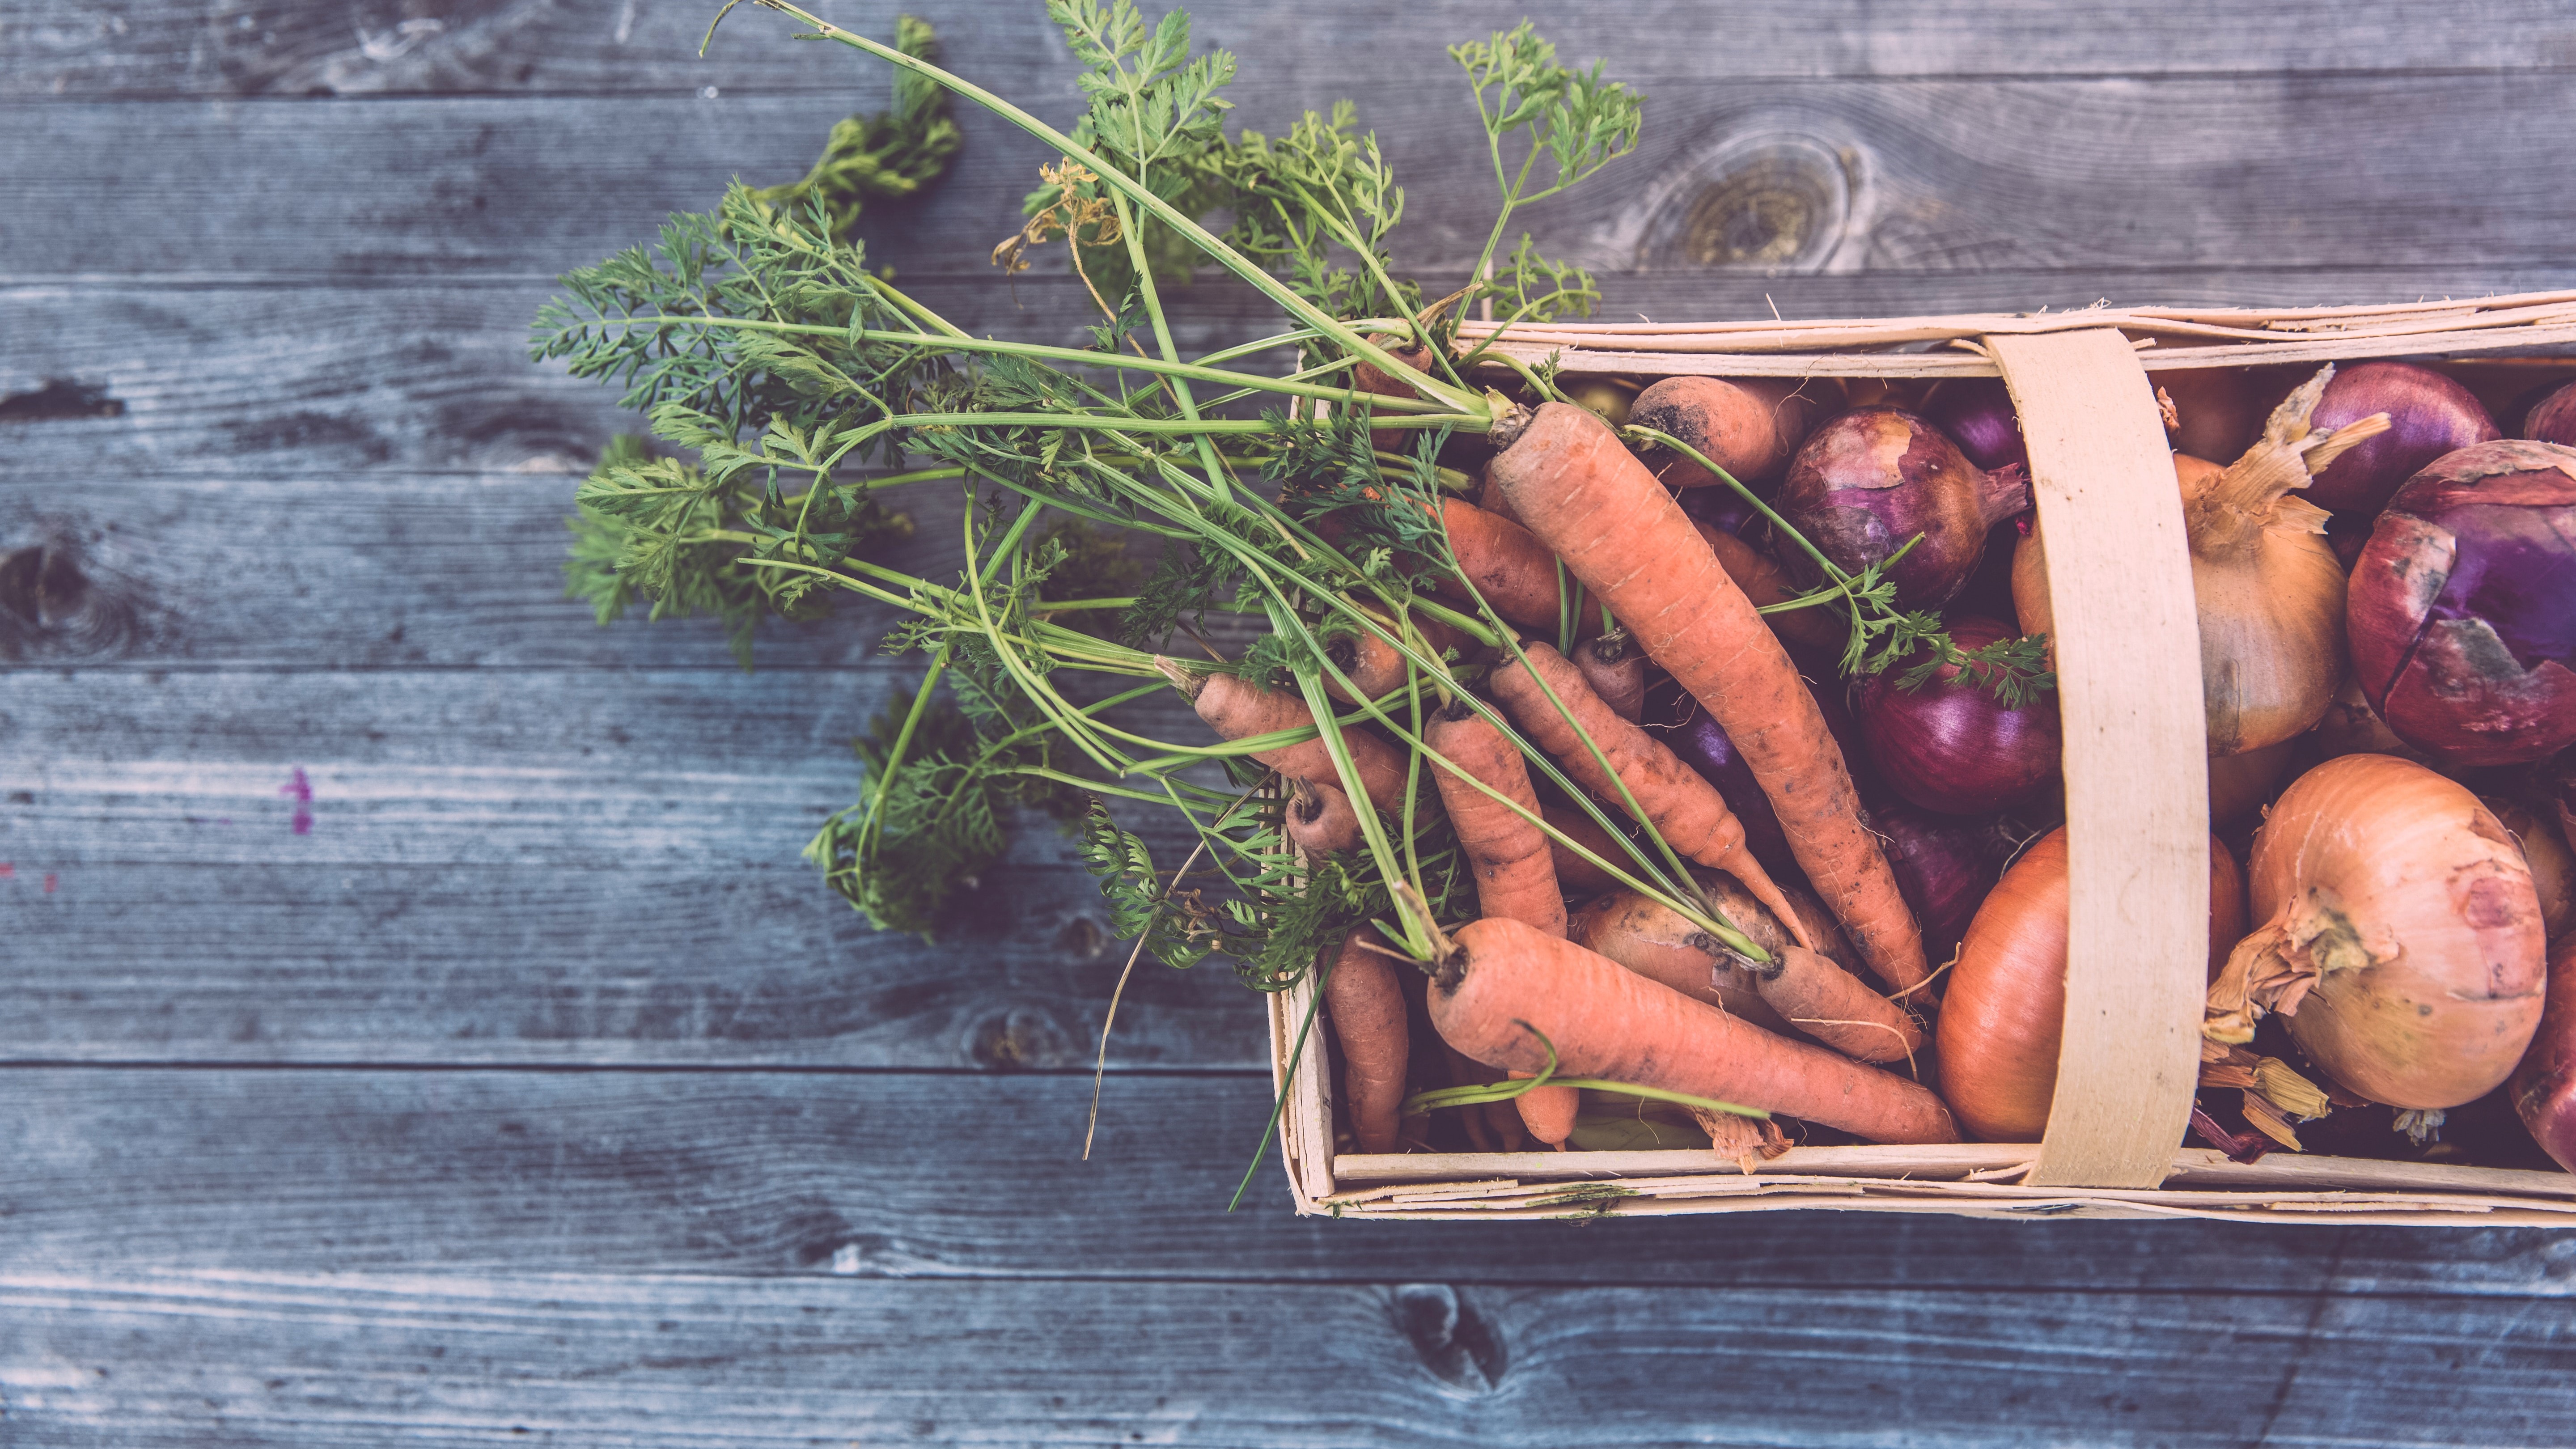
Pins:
<point x="1911" y="176"/>
<point x="416" y="571"/>
<point x="756" y="964"/>
<point x="698" y="770"/>
<point x="327" y="383"/>
<point x="895" y="1175"/>
<point x="143" y="1358"/>
<point x="195" y="47"/>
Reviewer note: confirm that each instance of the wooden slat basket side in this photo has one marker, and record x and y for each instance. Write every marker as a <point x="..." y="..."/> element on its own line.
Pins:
<point x="2136" y="771"/>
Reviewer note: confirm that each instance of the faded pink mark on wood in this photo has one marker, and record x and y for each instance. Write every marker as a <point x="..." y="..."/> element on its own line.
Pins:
<point x="300" y="790"/>
<point x="49" y="882"/>
<point x="7" y="870"/>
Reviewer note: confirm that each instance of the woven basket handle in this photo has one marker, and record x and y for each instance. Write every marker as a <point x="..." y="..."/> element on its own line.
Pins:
<point x="2137" y="767"/>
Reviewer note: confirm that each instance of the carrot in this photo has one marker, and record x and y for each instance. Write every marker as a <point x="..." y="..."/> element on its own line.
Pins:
<point x="1366" y="1009"/>
<point x="1512" y="570"/>
<point x="1374" y="665"/>
<point x="1624" y="537"/>
<point x="1572" y="871"/>
<point x="1239" y="709"/>
<point x="1491" y="1126"/>
<point x="1749" y="426"/>
<point x="1616" y="670"/>
<point x="1320" y="820"/>
<point x="1808" y="990"/>
<point x="1604" y="1021"/>
<point x="1369" y="377"/>
<point x="1685" y="809"/>
<point x="1765" y="582"/>
<point x="1509" y="858"/>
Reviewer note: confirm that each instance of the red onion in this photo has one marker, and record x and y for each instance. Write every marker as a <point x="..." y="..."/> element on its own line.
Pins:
<point x="1944" y="866"/>
<point x="1951" y="746"/>
<point x="1977" y="413"/>
<point x="2463" y="606"/>
<point x="2428" y="415"/>
<point x="2553" y="418"/>
<point x="2544" y="1085"/>
<point x="1873" y="478"/>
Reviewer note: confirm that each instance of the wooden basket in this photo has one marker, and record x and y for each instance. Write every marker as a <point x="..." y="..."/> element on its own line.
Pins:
<point x="2136" y="775"/>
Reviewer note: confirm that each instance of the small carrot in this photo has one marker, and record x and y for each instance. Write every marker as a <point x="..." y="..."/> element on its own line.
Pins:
<point x="1509" y="567"/>
<point x="1499" y="985"/>
<point x="1366" y="1009"/>
<point x="1239" y="709"/>
<point x="1686" y="810"/>
<point x="1801" y="990"/>
<point x="1320" y="820"/>
<point x="1374" y="666"/>
<point x="1621" y="534"/>
<point x="1508" y="857"/>
<point x="1749" y="426"/>
<point x="1765" y="583"/>
<point x="1371" y="378"/>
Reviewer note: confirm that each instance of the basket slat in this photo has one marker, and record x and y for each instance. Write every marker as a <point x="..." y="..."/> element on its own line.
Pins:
<point x="2137" y="769"/>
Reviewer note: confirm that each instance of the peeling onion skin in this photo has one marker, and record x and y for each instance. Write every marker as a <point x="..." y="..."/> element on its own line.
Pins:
<point x="2553" y="418"/>
<point x="2005" y="1013"/>
<point x="1874" y="477"/>
<point x="2462" y="610"/>
<point x="2429" y="416"/>
<point x="2544" y="1085"/>
<point x="2430" y="888"/>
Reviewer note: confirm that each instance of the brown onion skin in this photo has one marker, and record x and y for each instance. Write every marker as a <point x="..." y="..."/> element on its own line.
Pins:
<point x="2429" y="415"/>
<point x="2544" y="1083"/>
<point x="2553" y="418"/>
<point x="2553" y="866"/>
<point x="2006" y="1009"/>
<point x="2240" y="785"/>
<point x="2435" y="889"/>
<point x="2219" y="411"/>
<point x="1873" y="478"/>
<point x="2352" y="727"/>
<point x="2462" y="611"/>
<point x="1951" y="746"/>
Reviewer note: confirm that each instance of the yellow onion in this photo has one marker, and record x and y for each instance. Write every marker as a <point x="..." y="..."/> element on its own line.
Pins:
<point x="2401" y="935"/>
<point x="2265" y="584"/>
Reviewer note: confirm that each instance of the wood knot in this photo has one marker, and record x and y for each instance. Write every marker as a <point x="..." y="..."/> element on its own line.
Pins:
<point x="1453" y="1340"/>
<point x="51" y="608"/>
<point x="1778" y="202"/>
<point x="1020" y="1040"/>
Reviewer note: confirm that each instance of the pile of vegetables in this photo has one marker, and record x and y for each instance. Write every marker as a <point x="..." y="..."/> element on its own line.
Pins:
<point x="1602" y="750"/>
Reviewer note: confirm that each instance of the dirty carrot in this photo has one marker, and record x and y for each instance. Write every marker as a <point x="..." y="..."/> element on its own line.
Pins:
<point x="1366" y="1009"/>
<point x="1590" y="500"/>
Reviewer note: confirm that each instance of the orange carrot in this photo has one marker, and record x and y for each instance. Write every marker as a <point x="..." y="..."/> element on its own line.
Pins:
<point x="1320" y="820"/>
<point x="1373" y="664"/>
<point x="1604" y="1021"/>
<point x="1749" y="426"/>
<point x="1807" y="990"/>
<point x="1509" y="858"/>
<point x="1685" y="809"/>
<point x="1765" y="582"/>
<point x="1616" y="670"/>
<point x="1625" y="538"/>
<point x="1239" y="709"/>
<point x="1369" y="377"/>
<point x="1366" y="1009"/>
<point x="1513" y="570"/>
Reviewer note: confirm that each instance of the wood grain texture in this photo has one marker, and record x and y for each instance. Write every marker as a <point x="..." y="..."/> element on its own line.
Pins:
<point x="323" y="384"/>
<point x="1780" y="176"/>
<point x="144" y="1358"/>
<point x="161" y="48"/>
<point x="763" y="1173"/>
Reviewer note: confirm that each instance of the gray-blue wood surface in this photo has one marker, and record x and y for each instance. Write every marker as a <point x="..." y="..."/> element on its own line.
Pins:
<point x="418" y="1025"/>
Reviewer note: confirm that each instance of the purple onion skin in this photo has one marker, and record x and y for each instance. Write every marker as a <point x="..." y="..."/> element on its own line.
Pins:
<point x="1873" y="478"/>
<point x="2429" y="415"/>
<point x="2553" y="418"/>
<point x="1951" y="747"/>
<point x="2462" y="611"/>
<point x="1944" y="866"/>
<point x="1977" y="413"/>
